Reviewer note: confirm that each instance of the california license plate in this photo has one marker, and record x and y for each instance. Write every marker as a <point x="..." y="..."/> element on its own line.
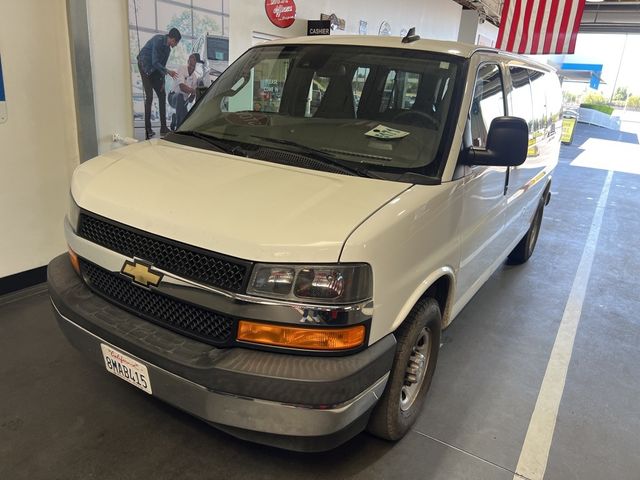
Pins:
<point x="126" y="368"/>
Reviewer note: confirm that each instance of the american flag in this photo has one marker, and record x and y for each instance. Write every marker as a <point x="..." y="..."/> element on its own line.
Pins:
<point x="540" y="26"/>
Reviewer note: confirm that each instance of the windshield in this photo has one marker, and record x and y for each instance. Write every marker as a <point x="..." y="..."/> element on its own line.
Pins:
<point x="365" y="108"/>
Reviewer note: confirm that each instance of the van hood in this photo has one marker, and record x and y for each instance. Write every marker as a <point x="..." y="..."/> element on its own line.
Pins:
<point x="237" y="206"/>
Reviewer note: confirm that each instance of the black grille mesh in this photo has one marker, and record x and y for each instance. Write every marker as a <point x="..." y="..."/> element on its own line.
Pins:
<point x="298" y="160"/>
<point x="197" y="322"/>
<point x="180" y="259"/>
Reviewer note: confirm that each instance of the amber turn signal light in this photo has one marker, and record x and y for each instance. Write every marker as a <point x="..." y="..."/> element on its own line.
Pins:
<point x="306" y="338"/>
<point x="75" y="263"/>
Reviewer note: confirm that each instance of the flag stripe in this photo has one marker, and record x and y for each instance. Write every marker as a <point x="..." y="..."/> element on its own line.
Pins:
<point x="520" y="26"/>
<point x="525" y="29"/>
<point x="565" y="34"/>
<point x="540" y="26"/>
<point x="514" y="27"/>
<point x="576" y="27"/>
<point x="548" y="28"/>
<point x="562" y="28"/>
<point x="505" y="8"/>
<point x="532" y="25"/>
<point x="543" y="26"/>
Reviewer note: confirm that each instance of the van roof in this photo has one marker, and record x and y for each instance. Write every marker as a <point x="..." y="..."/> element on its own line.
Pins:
<point x="459" y="49"/>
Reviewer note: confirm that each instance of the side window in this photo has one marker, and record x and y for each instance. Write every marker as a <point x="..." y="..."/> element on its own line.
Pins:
<point x="410" y="89"/>
<point x="357" y="83"/>
<point x="389" y="92"/>
<point x="262" y="92"/>
<point x="487" y="103"/>
<point x="317" y="90"/>
<point x="539" y="104"/>
<point x="400" y="89"/>
<point x="554" y="101"/>
<point x="520" y="97"/>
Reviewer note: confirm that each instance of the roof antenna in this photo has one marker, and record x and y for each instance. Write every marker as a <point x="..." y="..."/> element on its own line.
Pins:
<point x="411" y="36"/>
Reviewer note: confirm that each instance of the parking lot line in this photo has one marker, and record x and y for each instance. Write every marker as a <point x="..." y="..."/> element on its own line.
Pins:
<point x="535" y="450"/>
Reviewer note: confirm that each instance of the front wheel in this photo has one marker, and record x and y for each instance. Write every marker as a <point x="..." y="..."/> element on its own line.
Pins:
<point x="521" y="253"/>
<point x="413" y="367"/>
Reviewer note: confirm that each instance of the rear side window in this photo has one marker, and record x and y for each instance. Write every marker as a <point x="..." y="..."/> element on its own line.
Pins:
<point x="536" y="98"/>
<point x="554" y="97"/>
<point x="520" y="96"/>
<point x="539" y="103"/>
<point x="487" y="103"/>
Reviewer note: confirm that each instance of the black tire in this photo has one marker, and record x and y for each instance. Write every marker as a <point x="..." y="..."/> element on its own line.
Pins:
<point x="393" y="415"/>
<point x="521" y="253"/>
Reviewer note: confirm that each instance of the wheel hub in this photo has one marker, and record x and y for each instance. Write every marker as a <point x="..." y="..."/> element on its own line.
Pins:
<point x="415" y="370"/>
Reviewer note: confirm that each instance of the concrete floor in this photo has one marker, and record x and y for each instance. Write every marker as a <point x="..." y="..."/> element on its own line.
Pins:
<point x="62" y="417"/>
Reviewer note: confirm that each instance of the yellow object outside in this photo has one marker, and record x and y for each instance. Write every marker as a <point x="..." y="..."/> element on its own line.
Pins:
<point x="568" y="124"/>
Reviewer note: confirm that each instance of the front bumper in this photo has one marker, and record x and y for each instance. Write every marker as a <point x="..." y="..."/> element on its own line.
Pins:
<point x="300" y="403"/>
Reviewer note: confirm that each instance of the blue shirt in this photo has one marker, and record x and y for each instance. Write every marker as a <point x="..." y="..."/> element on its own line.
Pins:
<point x="154" y="55"/>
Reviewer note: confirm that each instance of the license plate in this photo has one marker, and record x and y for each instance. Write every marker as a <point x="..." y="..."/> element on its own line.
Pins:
<point x="126" y="368"/>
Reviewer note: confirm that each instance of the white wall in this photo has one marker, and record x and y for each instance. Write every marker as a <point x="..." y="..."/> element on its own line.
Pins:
<point x="468" y="27"/>
<point x="488" y="30"/>
<point x="109" y="45"/>
<point x="38" y="143"/>
<point x="438" y="19"/>
<point x="471" y="29"/>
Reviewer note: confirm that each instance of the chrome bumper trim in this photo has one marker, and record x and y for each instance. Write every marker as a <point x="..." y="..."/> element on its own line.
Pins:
<point x="241" y="412"/>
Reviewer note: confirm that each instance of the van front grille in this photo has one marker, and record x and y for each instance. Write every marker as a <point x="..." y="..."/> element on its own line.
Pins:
<point x="211" y="268"/>
<point x="185" y="318"/>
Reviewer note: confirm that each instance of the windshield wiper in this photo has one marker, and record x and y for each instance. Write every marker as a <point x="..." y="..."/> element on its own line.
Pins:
<point x="320" y="155"/>
<point x="411" y="177"/>
<point x="222" y="145"/>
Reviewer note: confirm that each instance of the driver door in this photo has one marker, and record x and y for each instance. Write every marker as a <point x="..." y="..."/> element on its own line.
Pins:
<point x="484" y="204"/>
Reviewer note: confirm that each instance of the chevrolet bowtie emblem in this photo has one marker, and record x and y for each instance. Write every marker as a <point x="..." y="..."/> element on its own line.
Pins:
<point x="141" y="273"/>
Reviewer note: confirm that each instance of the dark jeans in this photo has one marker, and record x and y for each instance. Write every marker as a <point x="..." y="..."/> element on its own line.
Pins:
<point x="154" y="83"/>
<point x="177" y="101"/>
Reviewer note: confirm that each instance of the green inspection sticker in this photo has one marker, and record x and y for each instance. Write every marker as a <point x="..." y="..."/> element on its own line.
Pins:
<point x="386" y="133"/>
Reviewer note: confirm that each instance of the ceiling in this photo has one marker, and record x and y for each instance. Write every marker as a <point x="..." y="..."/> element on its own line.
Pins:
<point x="609" y="16"/>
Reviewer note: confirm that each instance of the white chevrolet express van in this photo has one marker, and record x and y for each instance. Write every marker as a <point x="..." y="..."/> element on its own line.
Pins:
<point x="283" y="264"/>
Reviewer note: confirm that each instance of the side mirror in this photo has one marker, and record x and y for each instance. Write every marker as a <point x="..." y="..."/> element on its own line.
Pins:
<point x="507" y="144"/>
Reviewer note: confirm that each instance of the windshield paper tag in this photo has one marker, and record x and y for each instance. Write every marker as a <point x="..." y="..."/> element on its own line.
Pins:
<point x="386" y="133"/>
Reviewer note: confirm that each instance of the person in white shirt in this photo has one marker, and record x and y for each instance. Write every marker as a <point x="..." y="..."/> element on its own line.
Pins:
<point x="184" y="89"/>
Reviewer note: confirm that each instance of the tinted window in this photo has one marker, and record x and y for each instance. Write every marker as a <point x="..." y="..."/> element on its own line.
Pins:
<point x="487" y="104"/>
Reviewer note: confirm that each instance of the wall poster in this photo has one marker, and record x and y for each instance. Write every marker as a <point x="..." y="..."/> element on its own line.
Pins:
<point x="204" y="31"/>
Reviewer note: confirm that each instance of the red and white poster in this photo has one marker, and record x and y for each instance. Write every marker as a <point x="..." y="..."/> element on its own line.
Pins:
<point x="282" y="13"/>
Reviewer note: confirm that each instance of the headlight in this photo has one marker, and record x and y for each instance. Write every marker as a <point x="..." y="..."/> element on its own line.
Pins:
<point x="74" y="213"/>
<point x="330" y="284"/>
